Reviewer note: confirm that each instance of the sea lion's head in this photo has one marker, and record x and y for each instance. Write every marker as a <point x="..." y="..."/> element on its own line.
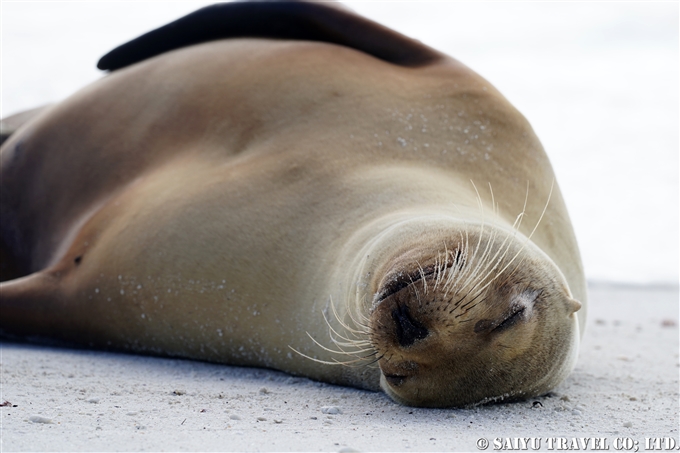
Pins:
<point x="488" y="317"/>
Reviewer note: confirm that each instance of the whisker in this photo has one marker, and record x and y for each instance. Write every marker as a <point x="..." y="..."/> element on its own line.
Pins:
<point x="325" y="362"/>
<point x="528" y="238"/>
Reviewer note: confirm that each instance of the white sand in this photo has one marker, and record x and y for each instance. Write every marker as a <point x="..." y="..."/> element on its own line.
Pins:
<point x="624" y="386"/>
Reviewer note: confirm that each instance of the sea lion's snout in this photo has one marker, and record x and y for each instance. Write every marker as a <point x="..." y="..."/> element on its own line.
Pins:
<point x="460" y="330"/>
<point x="401" y="327"/>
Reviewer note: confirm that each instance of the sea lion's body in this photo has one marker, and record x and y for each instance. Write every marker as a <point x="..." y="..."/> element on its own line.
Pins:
<point x="219" y="201"/>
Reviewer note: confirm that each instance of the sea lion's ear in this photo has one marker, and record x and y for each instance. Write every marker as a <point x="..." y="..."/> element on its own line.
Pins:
<point x="291" y="20"/>
<point x="574" y="305"/>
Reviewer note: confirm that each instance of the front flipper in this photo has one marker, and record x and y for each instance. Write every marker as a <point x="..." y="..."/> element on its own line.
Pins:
<point x="277" y="20"/>
<point x="31" y="306"/>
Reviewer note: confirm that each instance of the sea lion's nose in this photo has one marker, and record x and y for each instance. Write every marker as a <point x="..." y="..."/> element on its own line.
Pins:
<point x="407" y="329"/>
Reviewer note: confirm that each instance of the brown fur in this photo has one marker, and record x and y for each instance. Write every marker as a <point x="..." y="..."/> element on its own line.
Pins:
<point x="219" y="202"/>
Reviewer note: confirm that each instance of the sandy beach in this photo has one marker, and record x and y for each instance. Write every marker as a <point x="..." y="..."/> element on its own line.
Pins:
<point x="625" y="386"/>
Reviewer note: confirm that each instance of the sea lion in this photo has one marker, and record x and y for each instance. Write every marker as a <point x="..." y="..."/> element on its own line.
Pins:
<point x="315" y="194"/>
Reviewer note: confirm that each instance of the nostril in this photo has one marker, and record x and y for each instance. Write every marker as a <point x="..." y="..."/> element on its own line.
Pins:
<point x="408" y="330"/>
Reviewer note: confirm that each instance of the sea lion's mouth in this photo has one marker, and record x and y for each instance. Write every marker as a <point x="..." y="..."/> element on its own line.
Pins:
<point x="395" y="380"/>
<point x="396" y="374"/>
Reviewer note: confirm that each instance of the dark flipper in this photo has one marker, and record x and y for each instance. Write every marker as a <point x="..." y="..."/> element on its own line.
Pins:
<point x="11" y="266"/>
<point x="278" y="20"/>
<point x="30" y="306"/>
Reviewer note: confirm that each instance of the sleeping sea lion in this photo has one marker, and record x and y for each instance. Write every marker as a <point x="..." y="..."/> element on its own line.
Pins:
<point x="289" y="185"/>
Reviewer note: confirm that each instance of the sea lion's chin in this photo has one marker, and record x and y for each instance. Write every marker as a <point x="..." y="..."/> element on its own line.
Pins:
<point x="446" y="338"/>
